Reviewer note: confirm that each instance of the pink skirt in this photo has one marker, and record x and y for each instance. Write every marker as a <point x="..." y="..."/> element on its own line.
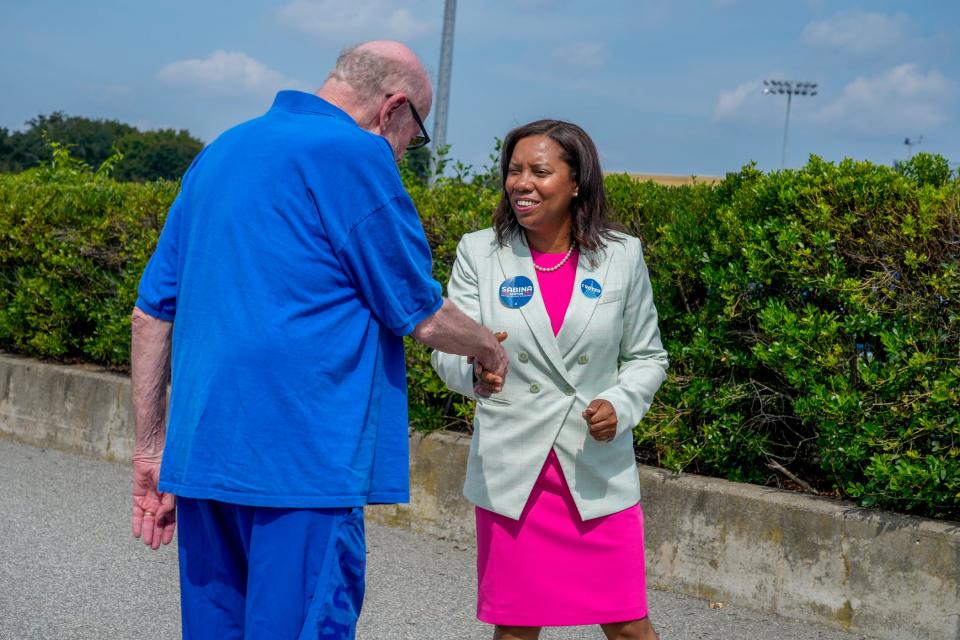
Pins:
<point x="550" y="568"/>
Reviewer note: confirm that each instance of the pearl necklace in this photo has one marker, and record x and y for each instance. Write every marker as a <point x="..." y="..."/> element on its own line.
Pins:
<point x="559" y="264"/>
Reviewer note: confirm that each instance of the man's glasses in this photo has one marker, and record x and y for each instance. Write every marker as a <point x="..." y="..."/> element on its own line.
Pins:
<point x="423" y="139"/>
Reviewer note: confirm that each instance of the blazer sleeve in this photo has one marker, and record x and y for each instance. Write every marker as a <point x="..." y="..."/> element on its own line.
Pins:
<point x="643" y="360"/>
<point x="463" y="290"/>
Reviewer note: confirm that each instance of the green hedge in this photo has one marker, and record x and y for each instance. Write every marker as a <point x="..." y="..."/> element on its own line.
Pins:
<point x="72" y="246"/>
<point x="811" y="315"/>
<point x="812" y="322"/>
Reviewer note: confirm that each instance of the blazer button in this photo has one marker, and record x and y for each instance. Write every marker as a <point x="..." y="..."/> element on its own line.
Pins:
<point x="568" y="391"/>
<point x="522" y="356"/>
<point x="583" y="359"/>
<point x="534" y="388"/>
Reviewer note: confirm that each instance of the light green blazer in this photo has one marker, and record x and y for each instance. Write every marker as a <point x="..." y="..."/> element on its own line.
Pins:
<point x="609" y="347"/>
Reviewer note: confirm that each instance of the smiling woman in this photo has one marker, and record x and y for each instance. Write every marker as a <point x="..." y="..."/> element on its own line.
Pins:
<point x="551" y="469"/>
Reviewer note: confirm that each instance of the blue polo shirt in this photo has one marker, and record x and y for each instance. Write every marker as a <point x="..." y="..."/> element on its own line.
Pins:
<point x="291" y="264"/>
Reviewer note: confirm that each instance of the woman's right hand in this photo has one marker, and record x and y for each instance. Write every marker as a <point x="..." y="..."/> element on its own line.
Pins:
<point x="488" y="381"/>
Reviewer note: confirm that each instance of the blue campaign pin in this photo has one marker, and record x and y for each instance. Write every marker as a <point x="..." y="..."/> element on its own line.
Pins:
<point x="516" y="292"/>
<point x="591" y="288"/>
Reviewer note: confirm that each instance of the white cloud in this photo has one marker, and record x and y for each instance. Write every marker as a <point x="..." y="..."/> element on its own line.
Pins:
<point x="900" y="99"/>
<point x="341" y="20"/>
<point x="583" y="56"/>
<point x="226" y="72"/>
<point x="859" y="32"/>
<point x="730" y="103"/>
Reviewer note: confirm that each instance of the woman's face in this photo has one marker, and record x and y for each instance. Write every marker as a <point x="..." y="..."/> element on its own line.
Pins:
<point x="539" y="184"/>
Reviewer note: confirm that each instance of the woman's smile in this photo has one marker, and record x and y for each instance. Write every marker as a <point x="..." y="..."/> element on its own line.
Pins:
<point x="524" y="205"/>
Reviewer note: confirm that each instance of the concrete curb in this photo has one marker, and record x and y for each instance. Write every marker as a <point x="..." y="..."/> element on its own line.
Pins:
<point x="814" y="559"/>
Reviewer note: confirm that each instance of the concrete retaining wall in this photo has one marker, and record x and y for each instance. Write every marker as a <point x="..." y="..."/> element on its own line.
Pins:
<point x="881" y="574"/>
<point x="73" y="408"/>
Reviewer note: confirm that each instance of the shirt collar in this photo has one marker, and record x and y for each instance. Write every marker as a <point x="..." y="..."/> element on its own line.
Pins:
<point x="302" y="102"/>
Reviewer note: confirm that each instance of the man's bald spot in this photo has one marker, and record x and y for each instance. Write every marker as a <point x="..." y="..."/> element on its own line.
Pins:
<point x="402" y="55"/>
<point x="392" y="49"/>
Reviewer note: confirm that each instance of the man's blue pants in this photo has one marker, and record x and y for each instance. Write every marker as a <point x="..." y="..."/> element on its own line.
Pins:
<point x="253" y="573"/>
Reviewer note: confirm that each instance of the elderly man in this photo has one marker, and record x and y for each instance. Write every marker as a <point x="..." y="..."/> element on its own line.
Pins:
<point x="290" y="267"/>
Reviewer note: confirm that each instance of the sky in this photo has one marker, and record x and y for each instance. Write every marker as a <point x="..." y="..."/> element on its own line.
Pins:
<point x="667" y="87"/>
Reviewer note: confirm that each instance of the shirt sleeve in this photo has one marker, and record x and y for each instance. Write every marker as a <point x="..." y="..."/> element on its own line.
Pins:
<point x="157" y="293"/>
<point x="387" y="257"/>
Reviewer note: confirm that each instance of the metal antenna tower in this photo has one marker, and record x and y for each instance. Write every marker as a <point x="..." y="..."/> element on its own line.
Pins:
<point x="443" y="83"/>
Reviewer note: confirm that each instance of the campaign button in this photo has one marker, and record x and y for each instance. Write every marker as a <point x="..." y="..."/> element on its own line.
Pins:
<point x="591" y="288"/>
<point x="516" y="292"/>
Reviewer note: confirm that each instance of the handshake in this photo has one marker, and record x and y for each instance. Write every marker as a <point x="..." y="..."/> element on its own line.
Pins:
<point x="490" y="370"/>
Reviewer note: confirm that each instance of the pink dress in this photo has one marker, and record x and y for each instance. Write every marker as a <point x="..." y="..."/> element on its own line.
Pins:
<point x="550" y="567"/>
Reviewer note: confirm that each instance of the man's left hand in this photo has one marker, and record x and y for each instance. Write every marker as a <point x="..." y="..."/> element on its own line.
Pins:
<point x="154" y="513"/>
<point x="601" y="418"/>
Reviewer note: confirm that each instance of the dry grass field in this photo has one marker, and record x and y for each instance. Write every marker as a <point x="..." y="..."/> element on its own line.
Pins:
<point x="675" y="181"/>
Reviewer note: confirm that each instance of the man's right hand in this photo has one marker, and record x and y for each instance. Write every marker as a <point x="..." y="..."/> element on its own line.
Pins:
<point x="452" y="331"/>
<point x="489" y="377"/>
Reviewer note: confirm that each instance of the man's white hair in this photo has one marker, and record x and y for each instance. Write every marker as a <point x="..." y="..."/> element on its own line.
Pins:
<point x="373" y="75"/>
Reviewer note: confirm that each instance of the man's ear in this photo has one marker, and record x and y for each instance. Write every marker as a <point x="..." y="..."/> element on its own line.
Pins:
<point x="388" y="111"/>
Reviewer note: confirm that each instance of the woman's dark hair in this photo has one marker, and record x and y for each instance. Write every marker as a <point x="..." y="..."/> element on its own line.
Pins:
<point x="592" y="226"/>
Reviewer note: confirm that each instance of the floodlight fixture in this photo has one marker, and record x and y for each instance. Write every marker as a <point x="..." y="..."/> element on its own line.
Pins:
<point x="790" y="89"/>
<point x="910" y="144"/>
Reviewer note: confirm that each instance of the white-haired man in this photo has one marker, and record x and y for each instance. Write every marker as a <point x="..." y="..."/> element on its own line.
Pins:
<point x="290" y="267"/>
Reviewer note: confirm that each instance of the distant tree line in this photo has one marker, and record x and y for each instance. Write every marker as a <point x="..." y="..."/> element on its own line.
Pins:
<point x="147" y="155"/>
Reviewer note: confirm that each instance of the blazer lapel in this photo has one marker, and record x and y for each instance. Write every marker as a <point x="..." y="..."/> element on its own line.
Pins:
<point x="581" y="307"/>
<point x="515" y="260"/>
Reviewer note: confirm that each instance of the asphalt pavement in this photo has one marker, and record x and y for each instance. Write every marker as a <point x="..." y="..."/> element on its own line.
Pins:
<point x="70" y="570"/>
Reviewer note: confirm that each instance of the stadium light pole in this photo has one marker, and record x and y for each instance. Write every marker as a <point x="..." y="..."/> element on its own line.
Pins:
<point x="443" y="84"/>
<point x="790" y="88"/>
